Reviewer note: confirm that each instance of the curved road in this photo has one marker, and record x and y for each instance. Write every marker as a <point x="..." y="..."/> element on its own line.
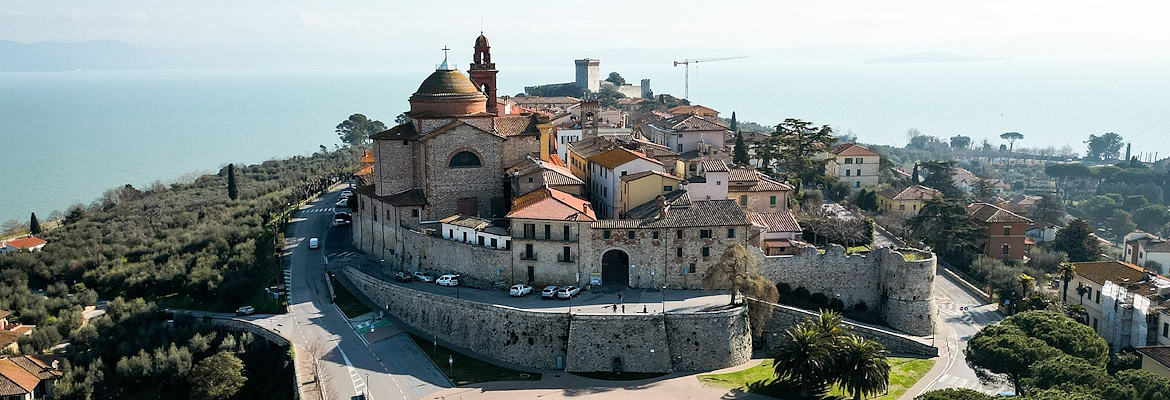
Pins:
<point x="391" y="368"/>
<point x="957" y="328"/>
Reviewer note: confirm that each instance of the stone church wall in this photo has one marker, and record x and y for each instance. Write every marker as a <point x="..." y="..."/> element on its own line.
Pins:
<point x="587" y="342"/>
<point x="445" y="186"/>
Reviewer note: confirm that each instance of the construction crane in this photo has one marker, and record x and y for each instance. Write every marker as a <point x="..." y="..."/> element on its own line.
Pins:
<point x="687" y="63"/>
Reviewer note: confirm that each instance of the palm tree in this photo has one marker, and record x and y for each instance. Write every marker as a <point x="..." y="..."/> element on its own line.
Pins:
<point x="1067" y="271"/>
<point x="1082" y="290"/>
<point x="828" y="324"/>
<point x="804" y="357"/>
<point x="863" y="369"/>
<point x="1026" y="282"/>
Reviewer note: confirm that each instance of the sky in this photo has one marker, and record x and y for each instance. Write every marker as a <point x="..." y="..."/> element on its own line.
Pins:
<point x="408" y="26"/>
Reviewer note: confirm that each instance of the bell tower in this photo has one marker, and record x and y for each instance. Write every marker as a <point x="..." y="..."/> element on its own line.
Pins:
<point x="483" y="72"/>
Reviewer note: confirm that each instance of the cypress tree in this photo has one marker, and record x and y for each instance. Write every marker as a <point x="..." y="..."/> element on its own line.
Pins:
<point x="34" y="226"/>
<point x="232" y="191"/>
<point x="734" y="125"/>
<point x="740" y="156"/>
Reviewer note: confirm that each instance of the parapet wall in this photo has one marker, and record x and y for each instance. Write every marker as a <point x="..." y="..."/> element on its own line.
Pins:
<point x="409" y="250"/>
<point x="884" y="280"/>
<point x="784" y="317"/>
<point x="587" y="342"/>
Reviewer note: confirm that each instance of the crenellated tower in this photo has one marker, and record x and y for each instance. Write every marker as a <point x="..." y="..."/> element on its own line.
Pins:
<point x="483" y="72"/>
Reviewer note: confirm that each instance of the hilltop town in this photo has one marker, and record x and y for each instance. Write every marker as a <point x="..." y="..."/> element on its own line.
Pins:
<point x="674" y="238"/>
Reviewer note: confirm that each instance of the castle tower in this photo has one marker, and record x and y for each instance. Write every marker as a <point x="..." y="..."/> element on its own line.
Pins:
<point x="588" y="76"/>
<point x="483" y="72"/>
<point x="590" y="114"/>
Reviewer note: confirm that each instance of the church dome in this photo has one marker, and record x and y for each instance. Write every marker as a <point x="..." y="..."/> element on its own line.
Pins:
<point x="447" y="92"/>
<point x="481" y="41"/>
<point x="446" y="82"/>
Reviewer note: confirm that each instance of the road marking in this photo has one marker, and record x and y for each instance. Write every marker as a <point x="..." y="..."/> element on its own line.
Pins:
<point x="349" y="366"/>
<point x="391" y="359"/>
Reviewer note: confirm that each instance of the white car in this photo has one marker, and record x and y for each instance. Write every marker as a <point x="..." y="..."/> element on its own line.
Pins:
<point x="346" y="193"/>
<point x="568" y="292"/>
<point x="340" y="222"/>
<point x="519" y="290"/>
<point x="342" y="203"/>
<point x="246" y="310"/>
<point x="314" y="243"/>
<point x="423" y="277"/>
<point x="448" y="280"/>
<point x="550" y="291"/>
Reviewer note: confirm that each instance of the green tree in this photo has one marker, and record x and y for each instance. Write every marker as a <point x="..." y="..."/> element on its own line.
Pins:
<point x="943" y="223"/>
<point x="357" y="129"/>
<point x="1077" y="240"/>
<point x="1120" y="223"/>
<point x="1064" y="334"/>
<point x="960" y="142"/>
<point x="733" y="125"/>
<point x="34" y="226"/>
<point x="740" y="155"/>
<point x="862" y="367"/>
<point x="233" y="191"/>
<point x="1151" y="217"/>
<point x="800" y="142"/>
<point x="1003" y="352"/>
<point x="954" y="394"/>
<point x="616" y="79"/>
<point x="1134" y="202"/>
<point x="984" y="188"/>
<point x="1068" y="271"/>
<point x="1146" y="385"/>
<point x="804" y="358"/>
<point x="1011" y="137"/>
<point x="217" y="377"/>
<point x="941" y="176"/>
<point x="839" y="191"/>
<point x="1104" y="147"/>
<point x="766" y="150"/>
<point x="1074" y="375"/>
<point x="1048" y="210"/>
<point x="739" y="271"/>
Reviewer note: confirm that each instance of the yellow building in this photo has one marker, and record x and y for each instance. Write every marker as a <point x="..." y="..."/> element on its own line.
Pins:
<point x="643" y="187"/>
<point x="854" y="164"/>
<point x="907" y="201"/>
<point x="1156" y="359"/>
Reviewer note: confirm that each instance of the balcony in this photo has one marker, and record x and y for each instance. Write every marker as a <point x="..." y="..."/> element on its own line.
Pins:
<point x="566" y="258"/>
<point x="528" y="255"/>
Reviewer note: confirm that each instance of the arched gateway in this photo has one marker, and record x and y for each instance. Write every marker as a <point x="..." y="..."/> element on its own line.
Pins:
<point x="615" y="268"/>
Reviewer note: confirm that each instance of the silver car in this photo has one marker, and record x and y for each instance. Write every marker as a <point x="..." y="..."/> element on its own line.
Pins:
<point x="550" y="292"/>
<point x="568" y="292"/>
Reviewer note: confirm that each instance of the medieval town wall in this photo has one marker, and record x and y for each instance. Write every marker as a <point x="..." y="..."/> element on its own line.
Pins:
<point x="784" y="317"/>
<point x="883" y="279"/>
<point x="586" y="342"/>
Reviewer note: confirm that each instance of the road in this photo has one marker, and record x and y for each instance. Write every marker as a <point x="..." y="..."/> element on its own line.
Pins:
<point x="390" y="368"/>
<point x="957" y="328"/>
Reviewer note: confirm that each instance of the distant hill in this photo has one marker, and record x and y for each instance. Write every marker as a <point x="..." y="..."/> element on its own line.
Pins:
<point x="932" y="57"/>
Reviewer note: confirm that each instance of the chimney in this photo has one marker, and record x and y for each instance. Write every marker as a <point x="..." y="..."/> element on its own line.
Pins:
<point x="660" y="201"/>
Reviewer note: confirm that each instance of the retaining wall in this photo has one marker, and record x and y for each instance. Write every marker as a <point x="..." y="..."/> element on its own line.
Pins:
<point x="784" y="317"/>
<point x="586" y="342"/>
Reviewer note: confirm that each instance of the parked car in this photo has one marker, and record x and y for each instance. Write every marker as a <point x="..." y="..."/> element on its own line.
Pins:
<point x="549" y="292"/>
<point x="448" y="280"/>
<point x="314" y="243"/>
<point x="340" y="222"/>
<point x="246" y="310"/>
<point x="403" y="276"/>
<point x="423" y="277"/>
<point x="346" y="193"/>
<point x="519" y="290"/>
<point x="342" y="203"/>
<point x="342" y="215"/>
<point x="568" y="292"/>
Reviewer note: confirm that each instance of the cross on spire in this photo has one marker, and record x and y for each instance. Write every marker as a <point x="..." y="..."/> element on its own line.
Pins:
<point x="445" y="53"/>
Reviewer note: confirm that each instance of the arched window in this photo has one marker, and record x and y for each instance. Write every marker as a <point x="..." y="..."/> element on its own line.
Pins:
<point x="465" y="159"/>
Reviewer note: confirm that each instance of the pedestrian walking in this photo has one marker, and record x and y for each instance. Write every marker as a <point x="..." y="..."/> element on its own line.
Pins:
<point x="623" y="308"/>
<point x="620" y="298"/>
<point x="615" y="308"/>
<point x="644" y="309"/>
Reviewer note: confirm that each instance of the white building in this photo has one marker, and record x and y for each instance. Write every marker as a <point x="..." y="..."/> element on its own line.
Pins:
<point x="683" y="133"/>
<point x="475" y="231"/>
<point x="1146" y="250"/>
<point x="711" y="181"/>
<point x="606" y="170"/>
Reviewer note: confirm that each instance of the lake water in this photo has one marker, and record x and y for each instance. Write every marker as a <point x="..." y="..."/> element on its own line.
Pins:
<point x="65" y="137"/>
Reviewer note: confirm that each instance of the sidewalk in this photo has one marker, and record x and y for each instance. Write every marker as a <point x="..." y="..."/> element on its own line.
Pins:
<point x="940" y="364"/>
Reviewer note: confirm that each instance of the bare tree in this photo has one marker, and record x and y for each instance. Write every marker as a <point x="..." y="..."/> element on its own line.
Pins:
<point x="321" y="377"/>
<point x="738" y="270"/>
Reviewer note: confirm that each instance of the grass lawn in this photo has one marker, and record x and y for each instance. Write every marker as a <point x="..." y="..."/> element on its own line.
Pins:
<point x="346" y="301"/>
<point x="904" y="373"/>
<point x="467" y="370"/>
<point x="856" y="249"/>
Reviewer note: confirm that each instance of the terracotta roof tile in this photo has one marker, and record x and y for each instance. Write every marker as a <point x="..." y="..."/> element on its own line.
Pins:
<point x="466" y="221"/>
<point x="401" y="132"/>
<point x="19" y="381"/>
<point x="775" y="222"/>
<point x="1160" y="354"/>
<point x="42" y="369"/>
<point x="714" y="166"/>
<point x="25" y="242"/>
<point x="699" y="214"/>
<point x="688" y="122"/>
<point x="551" y="204"/>
<point x="916" y="192"/>
<point x="992" y="214"/>
<point x="613" y="158"/>
<point x="852" y="149"/>
<point x="763" y="184"/>
<point x="522" y="125"/>
<point x="741" y="174"/>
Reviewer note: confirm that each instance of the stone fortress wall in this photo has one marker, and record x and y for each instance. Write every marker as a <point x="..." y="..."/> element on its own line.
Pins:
<point x="902" y="290"/>
<point x="784" y="317"/>
<point x="585" y="342"/>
